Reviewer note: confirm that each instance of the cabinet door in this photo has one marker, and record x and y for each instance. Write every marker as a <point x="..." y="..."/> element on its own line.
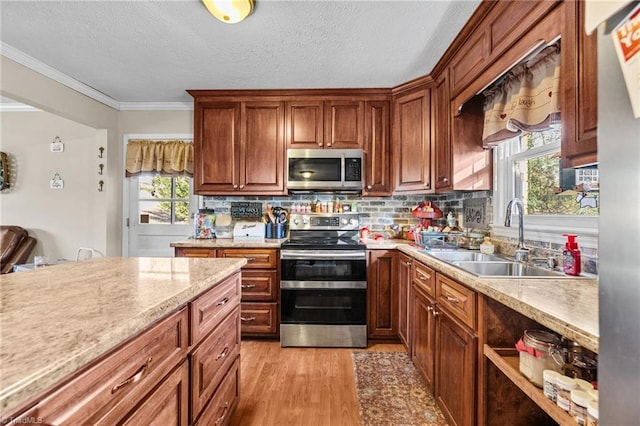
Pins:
<point x="412" y="141"/>
<point x="423" y="335"/>
<point x="216" y="147"/>
<point x="377" y="149"/>
<point x="194" y="252"/>
<point x="344" y="124"/>
<point x="404" y="325"/>
<point x="442" y="178"/>
<point x="455" y="371"/>
<point x="305" y="124"/>
<point x="262" y="153"/>
<point x="382" y="294"/>
<point x="580" y="89"/>
<point x="472" y="166"/>
<point x="168" y="404"/>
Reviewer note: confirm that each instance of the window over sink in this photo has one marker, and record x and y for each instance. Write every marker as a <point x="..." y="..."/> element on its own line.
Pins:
<point x="556" y="200"/>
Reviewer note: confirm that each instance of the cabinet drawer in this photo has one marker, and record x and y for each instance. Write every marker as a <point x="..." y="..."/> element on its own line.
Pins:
<point x="224" y="401"/>
<point x="256" y="258"/>
<point x="105" y="392"/>
<point x="167" y="404"/>
<point x="208" y="310"/>
<point x="424" y="278"/>
<point x="259" y="318"/>
<point x="456" y="299"/>
<point x="194" y="252"/>
<point x="259" y="285"/>
<point x="211" y="360"/>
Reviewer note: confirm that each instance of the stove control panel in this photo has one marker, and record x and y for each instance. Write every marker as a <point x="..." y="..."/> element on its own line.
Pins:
<point x="324" y="221"/>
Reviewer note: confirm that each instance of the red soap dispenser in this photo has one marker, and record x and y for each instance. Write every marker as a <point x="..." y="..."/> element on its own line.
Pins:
<point x="571" y="256"/>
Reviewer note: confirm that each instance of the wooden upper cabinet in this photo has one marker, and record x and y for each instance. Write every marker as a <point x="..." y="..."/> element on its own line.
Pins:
<point x="412" y="141"/>
<point x="262" y="148"/>
<point x="216" y="146"/>
<point x="344" y="124"/>
<point x="377" y="149"/>
<point x="471" y="165"/>
<point x="325" y="124"/>
<point x="239" y="147"/>
<point x="470" y="60"/>
<point x="579" y="77"/>
<point x="305" y="124"/>
<point x="442" y="177"/>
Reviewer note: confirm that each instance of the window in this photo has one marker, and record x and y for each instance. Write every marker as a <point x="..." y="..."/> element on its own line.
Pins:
<point x="556" y="201"/>
<point x="164" y="199"/>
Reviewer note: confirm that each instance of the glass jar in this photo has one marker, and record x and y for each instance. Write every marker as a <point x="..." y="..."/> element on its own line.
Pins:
<point x="539" y="351"/>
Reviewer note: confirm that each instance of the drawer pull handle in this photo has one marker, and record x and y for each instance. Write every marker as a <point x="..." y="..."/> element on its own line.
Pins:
<point x="248" y="285"/>
<point x="223" y="302"/>
<point x="247" y="319"/>
<point x="251" y="259"/>
<point x="224" y="407"/>
<point x="429" y="308"/>
<point x="423" y="277"/>
<point x="224" y="353"/>
<point x="451" y="299"/>
<point x="134" y="378"/>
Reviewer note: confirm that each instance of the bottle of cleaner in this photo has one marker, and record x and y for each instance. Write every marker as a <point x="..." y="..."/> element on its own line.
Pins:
<point x="487" y="246"/>
<point x="571" y="256"/>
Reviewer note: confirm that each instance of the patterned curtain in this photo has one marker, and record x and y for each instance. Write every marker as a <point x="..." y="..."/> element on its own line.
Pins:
<point x="167" y="158"/>
<point x="526" y="99"/>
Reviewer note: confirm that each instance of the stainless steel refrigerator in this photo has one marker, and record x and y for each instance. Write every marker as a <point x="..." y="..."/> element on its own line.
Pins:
<point x="619" y="244"/>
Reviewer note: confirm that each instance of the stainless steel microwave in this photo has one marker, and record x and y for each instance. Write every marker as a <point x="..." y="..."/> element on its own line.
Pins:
<point x="324" y="170"/>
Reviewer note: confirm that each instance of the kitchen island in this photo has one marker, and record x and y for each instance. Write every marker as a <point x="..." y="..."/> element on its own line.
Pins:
<point x="57" y="320"/>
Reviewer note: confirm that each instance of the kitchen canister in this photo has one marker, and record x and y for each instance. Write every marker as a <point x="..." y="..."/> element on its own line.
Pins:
<point x="578" y="408"/>
<point x="550" y="383"/>
<point x="563" y="398"/>
<point x="539" y="351"/>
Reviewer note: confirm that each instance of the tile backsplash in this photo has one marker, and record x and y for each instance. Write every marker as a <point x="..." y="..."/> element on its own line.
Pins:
<point x="381" y="211"/>
<point x="377" y="211"/>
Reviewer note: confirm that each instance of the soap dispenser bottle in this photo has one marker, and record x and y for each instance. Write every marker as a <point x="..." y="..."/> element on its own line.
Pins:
<point x="571" y="256"/>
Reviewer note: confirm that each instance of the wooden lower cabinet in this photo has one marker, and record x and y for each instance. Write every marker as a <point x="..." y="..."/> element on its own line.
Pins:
<point x="444" y="342"/>
<point x="224" y="401"/>
<point x="404" y="324"/>
<point x="157" y="377"/>
<point x="168" y="404"/>
<point x="260" y="286"/>
<point x="423" y="335"/>
<point x="382" y="294"/>
<point x="455" y="389"/>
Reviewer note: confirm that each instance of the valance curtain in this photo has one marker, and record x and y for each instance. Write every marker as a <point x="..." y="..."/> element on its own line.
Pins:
<point x="168" y="158"/>
<point x="525" y="100"/>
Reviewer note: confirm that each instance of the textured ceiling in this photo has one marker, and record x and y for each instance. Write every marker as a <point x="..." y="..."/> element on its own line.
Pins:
<point x="152" y="51"/>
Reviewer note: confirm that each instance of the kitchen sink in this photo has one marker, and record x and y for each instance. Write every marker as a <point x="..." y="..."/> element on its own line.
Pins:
<point x="465" y="256"/>
<point x="506" y="269"/>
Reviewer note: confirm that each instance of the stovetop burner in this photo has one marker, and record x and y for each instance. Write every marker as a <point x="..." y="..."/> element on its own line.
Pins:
<point x="324" y="231"/>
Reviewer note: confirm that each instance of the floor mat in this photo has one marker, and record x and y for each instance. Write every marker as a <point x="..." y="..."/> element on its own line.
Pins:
<point x="392" y="392"/>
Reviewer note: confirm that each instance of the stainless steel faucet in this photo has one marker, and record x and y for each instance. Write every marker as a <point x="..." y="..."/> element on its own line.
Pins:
<point x="522" y="253"/>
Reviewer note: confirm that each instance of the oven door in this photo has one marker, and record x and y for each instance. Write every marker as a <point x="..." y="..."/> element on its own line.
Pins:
<point x="323" y="266"/>
<point x="327" y="306"/>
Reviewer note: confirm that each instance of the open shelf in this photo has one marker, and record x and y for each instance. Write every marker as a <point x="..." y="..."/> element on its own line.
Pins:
<point x="507" y="360"/>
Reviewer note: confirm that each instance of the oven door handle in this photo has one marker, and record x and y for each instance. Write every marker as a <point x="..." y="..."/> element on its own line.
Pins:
<point x="322" y="285"/>
<point x="322" y="254"/>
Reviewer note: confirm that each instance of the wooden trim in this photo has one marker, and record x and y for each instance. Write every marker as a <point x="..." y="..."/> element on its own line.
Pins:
<point x="416" y="83"/>
<point x="279" y="94"/>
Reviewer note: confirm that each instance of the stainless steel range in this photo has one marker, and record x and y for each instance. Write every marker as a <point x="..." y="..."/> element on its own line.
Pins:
<point x="323" y="287"/>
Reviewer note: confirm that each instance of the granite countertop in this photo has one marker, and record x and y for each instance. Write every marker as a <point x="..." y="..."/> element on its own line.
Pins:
<point x="55" y="320"/>
<point x="228" y="243"/>
<point x="567" y="306"/>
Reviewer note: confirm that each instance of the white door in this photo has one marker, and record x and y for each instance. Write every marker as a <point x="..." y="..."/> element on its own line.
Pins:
<point x="160" y="212"/>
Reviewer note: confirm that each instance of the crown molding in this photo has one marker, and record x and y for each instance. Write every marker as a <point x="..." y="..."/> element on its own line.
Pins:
<point x="52" y="73"/>
<point x="156" y="106"/>
<point x="17" y="107"/>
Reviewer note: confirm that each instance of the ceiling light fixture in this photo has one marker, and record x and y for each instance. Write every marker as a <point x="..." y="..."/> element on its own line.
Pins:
<point x="229" y="11"/>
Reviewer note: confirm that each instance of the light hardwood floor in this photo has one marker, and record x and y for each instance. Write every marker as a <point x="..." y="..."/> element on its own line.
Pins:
<point x="298" y="386"/>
